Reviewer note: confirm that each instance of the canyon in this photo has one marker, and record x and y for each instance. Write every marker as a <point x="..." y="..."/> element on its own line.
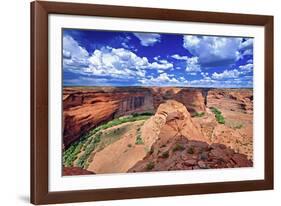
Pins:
<point x="179" y="128"/>
<point x="85" y="108"/>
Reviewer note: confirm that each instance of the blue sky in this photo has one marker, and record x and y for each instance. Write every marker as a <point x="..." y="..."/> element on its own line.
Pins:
<point x="107" y="58"/>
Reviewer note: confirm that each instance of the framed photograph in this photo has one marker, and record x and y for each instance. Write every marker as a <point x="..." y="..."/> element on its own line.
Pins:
<point x="133" y="102"/>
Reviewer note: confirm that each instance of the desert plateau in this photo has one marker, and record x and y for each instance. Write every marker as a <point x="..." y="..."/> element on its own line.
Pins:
<point x="143" y="129"/>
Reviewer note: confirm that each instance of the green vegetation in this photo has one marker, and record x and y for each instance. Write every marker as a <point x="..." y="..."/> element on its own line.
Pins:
<point x="92" y="140"/>
<point x="190" y="150"/>
<point x="199" y="114"/>
<point x="165" y="154"/>
<point x="149" y="166"/>
<point x="83" y="158"/>
<point x="142" y="114"/>
<point x="139" y="139"/>
<point x="178" y="147"/>
<point x="218" y="115"/>
<point x="71" y="154"/>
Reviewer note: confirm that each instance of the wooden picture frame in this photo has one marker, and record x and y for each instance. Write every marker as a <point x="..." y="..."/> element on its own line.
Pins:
<point x="40" y="193"/>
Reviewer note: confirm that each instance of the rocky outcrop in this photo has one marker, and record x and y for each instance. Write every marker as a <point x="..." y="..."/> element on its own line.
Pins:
<point x="85" y="109"/>
<point x="173" y="118"/>
<point x="176" y="142"/>
<point x="191" y="98"/>
<point x="240" y="100"/>
<point x="183" y="154"/>
<point x="68" y="171"/>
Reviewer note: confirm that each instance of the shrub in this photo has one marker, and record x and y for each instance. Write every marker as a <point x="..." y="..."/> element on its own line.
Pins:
<point x="149" y="166"/>
<point x="135" y="114"/>
<point x="199" y="114"/>
<point x="139" y="140"/>
<point x="218" y="115"/>
<point x="165" y="154"/>
<point x="190" y="150"/>
<point x="178" y="147"/>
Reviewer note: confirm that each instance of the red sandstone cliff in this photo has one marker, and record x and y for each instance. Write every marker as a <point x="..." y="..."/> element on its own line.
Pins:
<point x="87" y="108"/>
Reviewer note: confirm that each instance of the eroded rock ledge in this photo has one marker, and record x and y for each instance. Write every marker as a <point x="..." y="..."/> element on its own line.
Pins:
<point x="183" y="154"/>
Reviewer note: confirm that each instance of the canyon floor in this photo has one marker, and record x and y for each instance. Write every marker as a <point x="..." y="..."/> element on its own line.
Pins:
<point x="138" y="129"/>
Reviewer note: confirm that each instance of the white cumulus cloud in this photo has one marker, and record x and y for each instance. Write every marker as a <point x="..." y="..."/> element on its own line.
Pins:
<point x="213" y="51"/>
<point x="192" y="63"/>
<point x="226" y="74"/>
<point x="246" y="68"/>
<point x="148" y="39"/>
<point x="163" y="80"/>
<point x="113" y="62"/>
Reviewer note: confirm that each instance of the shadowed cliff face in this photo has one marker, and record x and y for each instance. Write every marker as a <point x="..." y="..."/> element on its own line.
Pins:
<point x="86" y="108"/>
<point x="192" y="99"/>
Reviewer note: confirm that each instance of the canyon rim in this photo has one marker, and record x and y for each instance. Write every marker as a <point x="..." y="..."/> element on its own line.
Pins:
<point x="143" y="102"/>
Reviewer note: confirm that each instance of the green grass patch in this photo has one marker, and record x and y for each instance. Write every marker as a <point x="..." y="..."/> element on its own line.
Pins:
<point x="218" y="115"/>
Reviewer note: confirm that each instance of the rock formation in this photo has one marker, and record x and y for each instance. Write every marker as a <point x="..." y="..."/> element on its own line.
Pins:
<point x="86" y="108"/>
<point x="177" y="143"/>
<point x="118" y="157"/>
<point x="183" y="154"/>
<point x="68" y="171"/>
<point x="171" y="119"/>
<point x="236" y="99"/>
